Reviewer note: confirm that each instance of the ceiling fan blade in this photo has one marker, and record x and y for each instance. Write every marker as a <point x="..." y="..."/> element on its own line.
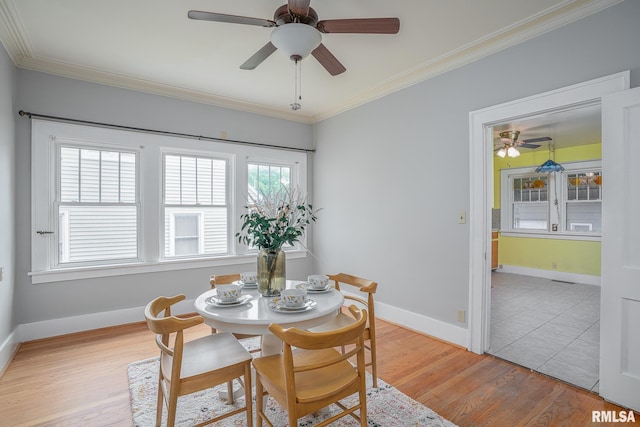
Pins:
<point x="299" y="7"/>
<point x="231" y="19"/>
<point x="542" y="138"/>
<point x="525" y="145"/>
<point x="328" y="61"/>
<point x="258" y="57"/>
<point x="364" y="26"/>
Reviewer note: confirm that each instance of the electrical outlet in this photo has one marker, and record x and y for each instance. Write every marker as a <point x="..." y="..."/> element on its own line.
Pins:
<point x="223" y="134"/>
<point x="462" y="217"/>
<point x="461" y="316"/>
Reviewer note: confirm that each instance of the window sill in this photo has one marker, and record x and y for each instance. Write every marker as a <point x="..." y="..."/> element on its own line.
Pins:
<point x="555" y="236"/>
<point x="79" y="273"/>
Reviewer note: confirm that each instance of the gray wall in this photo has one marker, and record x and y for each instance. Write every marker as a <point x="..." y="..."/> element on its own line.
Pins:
<point x="393" y="174"/>
<point x="52" y="95"/>
<point x="7" y="195"/>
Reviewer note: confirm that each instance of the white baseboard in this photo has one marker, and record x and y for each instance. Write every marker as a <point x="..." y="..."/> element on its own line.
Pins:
<point x="7" y="349"/>
<point x="552" y="275"/>
<point x="427" y="325"/>
<point x="69" y="325"/>
<point x="54" y="327"/>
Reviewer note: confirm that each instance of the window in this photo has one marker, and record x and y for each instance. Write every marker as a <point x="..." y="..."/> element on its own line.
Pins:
<point x="584" y="201"/>
<point x="96" y="205"/>
<point x="567" y="203"/>
<point x="196" y="205"/>
<point x="267" y="179"/>
<point x="143" y="202"/>
<point x="530" y="202"/>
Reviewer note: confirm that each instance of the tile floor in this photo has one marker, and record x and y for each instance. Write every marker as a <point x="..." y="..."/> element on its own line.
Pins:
<point x="550" y="327"/>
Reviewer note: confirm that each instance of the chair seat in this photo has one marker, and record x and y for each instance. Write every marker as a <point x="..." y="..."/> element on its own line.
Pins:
<point x="209" y="353"/>
<point x="314" y="385"/>
<point x="340" y="321"/>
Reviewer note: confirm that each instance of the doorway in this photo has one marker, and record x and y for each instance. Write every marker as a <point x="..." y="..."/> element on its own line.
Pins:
<point x="545" y="295"/>
<point x="481" y="155"/>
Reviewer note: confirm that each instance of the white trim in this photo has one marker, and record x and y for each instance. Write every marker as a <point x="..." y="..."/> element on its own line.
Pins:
<point x="481" y="183"/>
<point x="67" y="325"/>
<point x="87" y="322"/>
<point x="62" y="275"/>
<point x="583" y="279"/>
<point x="7" y="350"/>
<point x="427" y="325"/>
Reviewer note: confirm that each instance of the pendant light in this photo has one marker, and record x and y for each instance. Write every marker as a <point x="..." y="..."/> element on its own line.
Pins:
<point x="550" y="165"/>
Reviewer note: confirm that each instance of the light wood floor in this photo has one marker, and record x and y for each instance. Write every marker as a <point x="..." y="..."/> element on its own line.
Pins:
<point x="81" y="380"/>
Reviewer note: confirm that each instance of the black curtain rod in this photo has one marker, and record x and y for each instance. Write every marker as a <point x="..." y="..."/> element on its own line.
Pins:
<point x="162" y="132"/>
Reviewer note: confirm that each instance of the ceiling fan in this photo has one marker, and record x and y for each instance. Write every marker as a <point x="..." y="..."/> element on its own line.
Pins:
<point x="298" y="32"/>
<point x="509" y="143"/>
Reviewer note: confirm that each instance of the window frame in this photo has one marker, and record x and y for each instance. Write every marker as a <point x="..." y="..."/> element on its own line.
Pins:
<point x="557" y="180"/>
<point x="149" y="168"/>
<point x="58" y="144"/>
<point x="229" y="186"/>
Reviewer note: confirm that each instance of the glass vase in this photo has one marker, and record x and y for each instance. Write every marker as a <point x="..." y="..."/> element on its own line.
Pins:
<point x="271" y="272"/>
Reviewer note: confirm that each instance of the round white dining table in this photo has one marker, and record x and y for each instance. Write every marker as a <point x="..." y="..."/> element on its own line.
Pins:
<point x="255" y="316"/>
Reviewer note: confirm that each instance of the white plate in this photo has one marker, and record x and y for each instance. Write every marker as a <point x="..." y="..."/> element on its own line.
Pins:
<point x="215" y="301"/>
<point x="277" y="305"/>
<point x="309" y="289"/>
<point x="246" y="285"/>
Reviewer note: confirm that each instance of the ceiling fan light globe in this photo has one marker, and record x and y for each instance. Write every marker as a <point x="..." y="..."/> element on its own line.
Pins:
<point x="513" y="152"/>
<point x="296" y="39"/>
<point x="501" y="153"/>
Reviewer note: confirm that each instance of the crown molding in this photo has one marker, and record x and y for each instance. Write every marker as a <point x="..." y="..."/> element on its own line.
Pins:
<point x="15" y="40"/>
<point x="536" y="25"/>
<point x="12" y="33"/>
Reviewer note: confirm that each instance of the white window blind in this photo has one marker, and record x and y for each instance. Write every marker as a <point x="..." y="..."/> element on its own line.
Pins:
<point x="107" y="197"/>
<point x="196" y="202"/>
<point x="97" y="210"/>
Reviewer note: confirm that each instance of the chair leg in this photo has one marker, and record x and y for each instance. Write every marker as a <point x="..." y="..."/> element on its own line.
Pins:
<point x="230" y="393"/>
<point x="363" y="407"/>
<point x="247" y="394"/>
<point x="159" y="404"/>
<point x="259" y="400"/>
<point x="172" y="408"/>
<point x="374" y="365"/>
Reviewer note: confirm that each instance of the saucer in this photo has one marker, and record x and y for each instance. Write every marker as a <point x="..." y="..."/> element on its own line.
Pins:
<point x="246" y="285"/>
<point x="217" y="302"/>
<point x="309" y="289"/>
<point x="276" y="304"/>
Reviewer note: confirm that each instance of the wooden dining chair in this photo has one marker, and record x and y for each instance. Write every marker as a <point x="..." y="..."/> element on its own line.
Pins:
<point x="315" y="375"/>
<point x="187" y="367"/>
<point x="369" y="287"/>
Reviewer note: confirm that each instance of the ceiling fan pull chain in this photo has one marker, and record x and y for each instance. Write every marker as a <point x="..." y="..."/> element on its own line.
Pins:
<point x="297" y="85"/>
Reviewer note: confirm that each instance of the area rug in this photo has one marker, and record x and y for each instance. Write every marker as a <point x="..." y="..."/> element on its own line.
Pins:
<point x="386" y="406"/>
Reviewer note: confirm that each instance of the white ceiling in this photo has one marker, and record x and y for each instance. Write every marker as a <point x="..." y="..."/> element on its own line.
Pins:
<point x="151" y="46"/>
<point x="567" y="128"/>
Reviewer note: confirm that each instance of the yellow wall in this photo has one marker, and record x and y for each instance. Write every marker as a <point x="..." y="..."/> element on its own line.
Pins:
<point x="570" y="256"/>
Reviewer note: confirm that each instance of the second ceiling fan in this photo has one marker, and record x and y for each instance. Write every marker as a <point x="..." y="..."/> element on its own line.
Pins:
<point x="299" y="32"/>
<point x="509" y="142"/>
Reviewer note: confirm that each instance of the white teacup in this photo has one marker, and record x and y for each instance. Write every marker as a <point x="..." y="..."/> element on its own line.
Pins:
<point x="249" y="277"/>
<point x="318" y="281"/>
<point x="229" y="293"/>
<point x="293" y="297"/>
